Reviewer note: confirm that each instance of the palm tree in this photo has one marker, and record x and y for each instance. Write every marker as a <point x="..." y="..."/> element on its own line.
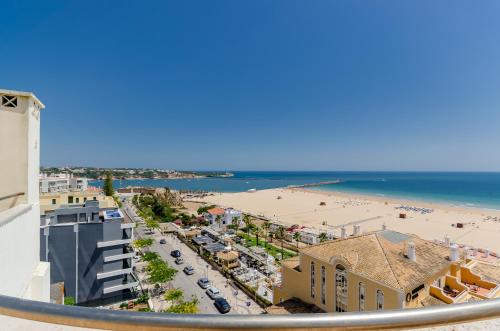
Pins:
<point x="280" y="233"/>
<point x="236" y="223"/>
<point x="266" y="225"/>
<point x="322" y="237"/>
<point x="248" y="224"/>
<point x="257" y="231"/>
<point x="296" y="237"/>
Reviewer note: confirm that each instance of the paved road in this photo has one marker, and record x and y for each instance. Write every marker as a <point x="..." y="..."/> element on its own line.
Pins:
<point x="189" y="283"/>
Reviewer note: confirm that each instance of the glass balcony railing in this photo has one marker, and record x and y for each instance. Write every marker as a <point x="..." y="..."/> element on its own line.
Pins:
<point x="123" y="320"/>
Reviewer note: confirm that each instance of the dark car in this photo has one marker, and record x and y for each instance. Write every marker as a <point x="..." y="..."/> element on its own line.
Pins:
<point x="175" y="253"/>
<point x="222" y="305"/>
<point x="189" y="270"/>
<point x="163" y="241"/>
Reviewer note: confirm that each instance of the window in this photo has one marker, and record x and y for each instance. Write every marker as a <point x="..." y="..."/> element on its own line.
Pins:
<point x="340" y="289"/>
<point x="84" y="199"/>
<point x="313" y="292"/>
<point x="94" y="198"/>
<point x="9" y="101"/>
<point x="380" y="300"/>
<point x="77" y="200"/>
<point x="53" y="201"/>
<point x="323" y="285"/>
<point x="361" y="297"/>
<point x="70" y="199"/>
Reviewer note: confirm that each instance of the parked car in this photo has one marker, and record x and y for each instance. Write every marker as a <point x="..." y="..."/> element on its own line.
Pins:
<point x="222" y="305"/>
<point x="179" y="260"/>
<point x="213" y="292"/>
<point x="189" y="270"/>
<point x="204" y="282"/>
<point x="175" y="253"/>
<point x="163" y="241"/>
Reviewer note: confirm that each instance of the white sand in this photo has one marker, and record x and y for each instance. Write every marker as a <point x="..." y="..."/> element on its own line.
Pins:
<point x="301" y="206"/>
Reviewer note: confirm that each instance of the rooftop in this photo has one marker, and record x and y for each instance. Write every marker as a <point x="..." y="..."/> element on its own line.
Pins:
<point x="23" y="94"/>
<point x="381" y="256"/>
<point x="216" y="211"/>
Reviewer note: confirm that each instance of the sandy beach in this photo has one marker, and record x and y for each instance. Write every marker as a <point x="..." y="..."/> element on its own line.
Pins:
<point x="302" y="206"/>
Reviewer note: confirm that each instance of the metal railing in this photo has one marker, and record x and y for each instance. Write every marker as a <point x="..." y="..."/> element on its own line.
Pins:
<point x="124" y="320"/>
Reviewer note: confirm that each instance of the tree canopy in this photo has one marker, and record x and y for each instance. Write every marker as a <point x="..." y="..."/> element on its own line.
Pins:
<point x="108" y="185"/>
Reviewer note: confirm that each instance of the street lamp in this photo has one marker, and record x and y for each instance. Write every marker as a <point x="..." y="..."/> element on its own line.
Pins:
<point x="207" y="270"/>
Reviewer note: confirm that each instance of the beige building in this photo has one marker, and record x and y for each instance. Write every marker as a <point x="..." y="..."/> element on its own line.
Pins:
<point x="383" y="270"/>
<point x="52" y="201"/>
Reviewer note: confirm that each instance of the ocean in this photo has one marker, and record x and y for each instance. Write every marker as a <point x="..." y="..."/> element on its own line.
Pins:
<point x="474" y="189"/>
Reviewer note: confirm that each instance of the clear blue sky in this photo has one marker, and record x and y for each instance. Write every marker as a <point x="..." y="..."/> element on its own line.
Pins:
<point x="273" y="85"/>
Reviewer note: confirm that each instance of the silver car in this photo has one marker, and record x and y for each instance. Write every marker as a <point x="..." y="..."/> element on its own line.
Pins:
<point x="213" y="292"/>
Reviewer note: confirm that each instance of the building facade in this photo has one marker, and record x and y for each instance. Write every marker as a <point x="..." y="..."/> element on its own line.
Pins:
<point x="62" y="183"/>
<point x="52" y="201"/>
<point x="89" y="250"/>
<point x="382" y="270"/>
<point x="219" y="218"/>
<point x="22" y="273"/>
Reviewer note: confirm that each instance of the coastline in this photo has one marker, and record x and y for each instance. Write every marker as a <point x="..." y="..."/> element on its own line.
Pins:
<point x="327" y="211"/>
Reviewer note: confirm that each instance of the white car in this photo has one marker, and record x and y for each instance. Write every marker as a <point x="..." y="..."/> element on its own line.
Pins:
<point x="213" y="292"/>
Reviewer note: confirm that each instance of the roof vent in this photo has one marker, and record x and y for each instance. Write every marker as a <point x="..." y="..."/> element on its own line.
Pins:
<point x="486" y="253"/>
<point x="384" y="227"/>
<point x="343" y="233"/>
<point x="411" y="253"/>
<point x="9" y="101"/>
<point x="453" y="252"/>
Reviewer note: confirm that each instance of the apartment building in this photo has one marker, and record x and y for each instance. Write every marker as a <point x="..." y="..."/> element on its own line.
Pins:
<point x="22" y="273"/>
<point x="89" y="251"/>
<point x="62" y="183"/>
<point x="384" y="270"/>
<point x="52" y="201"/>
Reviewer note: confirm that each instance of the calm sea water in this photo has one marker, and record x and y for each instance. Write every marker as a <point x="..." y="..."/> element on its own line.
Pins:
<point x="471" y="189"/>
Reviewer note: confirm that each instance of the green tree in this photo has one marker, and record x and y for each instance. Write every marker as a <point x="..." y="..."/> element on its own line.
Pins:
<point x="159" y="272"/>
<point x="69" y="301"/>
<point x="150" y="256"/>
<point x="322" y="237"/>
<point x="108" y="185"/>
<point x="175" y="295"/>
<point x="186" y="307"/>
<point x="235" y="222"/>
<point x="266" y="225"/>
<point x="152" y="224"/>
<point x="257" y="232"/>
<point x="142" y="243"/>
<point x="280" y="234"/>
<point x="248" y="225"/>
<point x="218" y="220"/>
<point x="296" y="237"/>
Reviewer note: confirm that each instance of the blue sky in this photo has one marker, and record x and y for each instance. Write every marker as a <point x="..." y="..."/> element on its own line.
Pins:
<point x="260" y="85"/>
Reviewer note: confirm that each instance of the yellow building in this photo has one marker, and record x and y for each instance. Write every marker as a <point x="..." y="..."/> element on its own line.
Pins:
<point x="52" y="201"/>
<point x="376" y="271"/>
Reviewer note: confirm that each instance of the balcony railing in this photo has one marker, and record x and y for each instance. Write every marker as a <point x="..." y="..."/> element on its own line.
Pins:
<point x="123" y="320"/>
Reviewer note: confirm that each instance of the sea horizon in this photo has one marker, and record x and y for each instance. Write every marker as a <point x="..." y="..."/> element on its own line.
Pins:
<point x="478" y="189"/>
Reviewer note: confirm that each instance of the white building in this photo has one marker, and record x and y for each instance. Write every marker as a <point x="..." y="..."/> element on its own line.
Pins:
<point x="62" y="183"/>
<point x="21" y="272"/>
<point x="219" y="218"/>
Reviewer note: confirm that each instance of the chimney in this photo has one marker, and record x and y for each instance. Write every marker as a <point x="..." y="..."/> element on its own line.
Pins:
<point x="411" y="254"/>
<point x="343" y="233"/>
<point x="453" y="252"/>
<point x="356" y="229"/>
<point x="447" y="240"/>
<point x="384" y="227"/>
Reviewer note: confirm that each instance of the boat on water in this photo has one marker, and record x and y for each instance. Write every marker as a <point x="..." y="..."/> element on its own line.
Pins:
<point x="252" y="190"/>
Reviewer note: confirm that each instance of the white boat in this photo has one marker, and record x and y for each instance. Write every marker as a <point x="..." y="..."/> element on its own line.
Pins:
<point x="252" y="190"/>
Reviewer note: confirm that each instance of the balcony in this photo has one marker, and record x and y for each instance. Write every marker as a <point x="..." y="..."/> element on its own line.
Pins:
<point x="120" y="287"/>
<point x="103" y="275"/>
<point x="453" y="291"/>
<point x="102" y="244"/>
<point x="25" y="310"/>
<point x="118" y="257"/>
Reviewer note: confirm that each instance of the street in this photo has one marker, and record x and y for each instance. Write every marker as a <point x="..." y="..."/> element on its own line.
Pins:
<point x="236" y="298"/>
